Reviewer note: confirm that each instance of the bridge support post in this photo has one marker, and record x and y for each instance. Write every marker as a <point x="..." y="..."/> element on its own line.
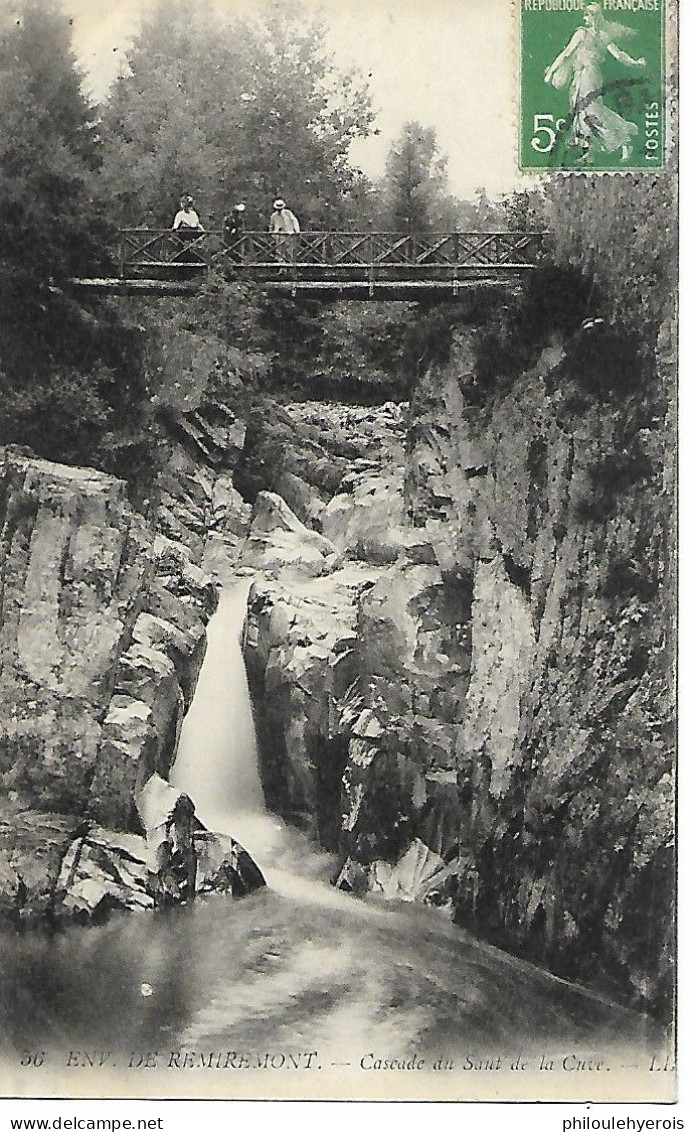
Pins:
<point x="455" y="274"/>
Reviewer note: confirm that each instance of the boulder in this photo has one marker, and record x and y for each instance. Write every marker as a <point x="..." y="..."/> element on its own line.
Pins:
<point x="33" y="846"/>
<point x="278" y="540"/>
<point x="412" y="877"/>
<point x="303" y="498"/>
<point x="231" y="515"/>
<point x="367" y="521"/>
<point x="168" y="818"/>
<point x="353" y="877"/>
<point x="186" y="857"/>
<point x="419" y="875"/>
<point x="101" y="873"/>
<point x="223" y="865"/>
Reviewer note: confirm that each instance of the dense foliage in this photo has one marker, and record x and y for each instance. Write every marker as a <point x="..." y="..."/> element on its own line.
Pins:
<point x="81" y="380"/>
<point x="93" y="381"/>
<point x="622" y="230"/>
<point x="69" y="373"/>
<point x="230" y="108"/>
<point x="414" y="193"/>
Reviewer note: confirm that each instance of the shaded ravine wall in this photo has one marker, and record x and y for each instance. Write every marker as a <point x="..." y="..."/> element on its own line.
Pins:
<point x="102" y="635"/>
<point x="491" y="672"/>
<point x="566" y="762"/>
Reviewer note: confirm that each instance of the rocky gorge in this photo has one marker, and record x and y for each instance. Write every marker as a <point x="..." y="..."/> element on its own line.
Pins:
<point x="458" y="645"/>
<point x="102" y="640"/>
<point x="480" y="684"/>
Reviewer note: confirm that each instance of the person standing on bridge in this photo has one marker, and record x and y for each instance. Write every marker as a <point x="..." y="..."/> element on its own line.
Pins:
<point x="234" y="223"/>
<point x="186" y="221"/>
<point x="284" y="226"/>
<point x="233" y="227"/>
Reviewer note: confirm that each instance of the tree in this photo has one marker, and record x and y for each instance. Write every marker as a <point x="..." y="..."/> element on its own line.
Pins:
<point x="67" y="369"/>
<point x="362" y="355"/>
<point x="227" y="108"/>
<point x="414" y="191"/>
<point x="48" y="154"/>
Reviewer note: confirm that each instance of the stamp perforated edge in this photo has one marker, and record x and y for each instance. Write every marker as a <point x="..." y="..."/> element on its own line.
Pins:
<point x="670" y="76"/>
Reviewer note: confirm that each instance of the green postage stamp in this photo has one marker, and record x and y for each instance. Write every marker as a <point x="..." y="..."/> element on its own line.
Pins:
<point x="592" y="81"/>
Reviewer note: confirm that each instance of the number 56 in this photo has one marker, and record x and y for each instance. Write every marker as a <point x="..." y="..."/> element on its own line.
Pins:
<point x="548" y="125"/>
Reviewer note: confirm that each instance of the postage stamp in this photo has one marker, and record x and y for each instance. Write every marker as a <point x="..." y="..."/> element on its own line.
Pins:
<point x="592" y="85"/>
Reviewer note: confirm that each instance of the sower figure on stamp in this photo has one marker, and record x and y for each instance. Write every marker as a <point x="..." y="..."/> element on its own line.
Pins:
<point x="581" y="64"/>
<point x="285" y="227"/>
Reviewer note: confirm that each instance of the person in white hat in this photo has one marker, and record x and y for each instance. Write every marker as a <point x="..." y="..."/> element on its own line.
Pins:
<point x="284" y="226"/>
<point x="233" y="228"/>
<point x="234" y="221"/>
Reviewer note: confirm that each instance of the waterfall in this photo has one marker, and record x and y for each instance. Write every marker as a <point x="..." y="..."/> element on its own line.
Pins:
<point x="217" y="762"/>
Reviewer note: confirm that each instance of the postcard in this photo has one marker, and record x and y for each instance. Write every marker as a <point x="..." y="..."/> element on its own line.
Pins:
<point x="338" y="593"/>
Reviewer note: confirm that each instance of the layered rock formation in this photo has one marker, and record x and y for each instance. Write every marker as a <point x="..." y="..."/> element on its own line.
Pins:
<point x="485" y="671"/>
<point x="101" y="641"/>
<point x="301" y="662"/>
<point x="565" y="762"/>
<point x="320" y="605"/>
<point x="102" y="638"/>
<point x="199" y="505"/>
<point x="360" y="675"/>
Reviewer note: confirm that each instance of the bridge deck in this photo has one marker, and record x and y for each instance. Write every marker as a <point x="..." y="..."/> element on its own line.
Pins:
<point x="380" y="265"/>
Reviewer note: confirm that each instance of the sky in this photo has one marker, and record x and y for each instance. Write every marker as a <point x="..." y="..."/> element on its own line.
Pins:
<point x="450" y="64"/>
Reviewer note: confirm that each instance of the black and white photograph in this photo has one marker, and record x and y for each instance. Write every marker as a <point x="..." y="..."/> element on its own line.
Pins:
<point x="338" y="553"/>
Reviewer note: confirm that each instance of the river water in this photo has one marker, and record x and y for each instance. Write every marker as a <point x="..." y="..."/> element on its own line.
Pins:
<point x="299" y="989"/>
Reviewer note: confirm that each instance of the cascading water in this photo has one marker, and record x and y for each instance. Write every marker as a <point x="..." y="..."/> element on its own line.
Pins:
<point x="294" y="968"/>
<point x="216" y="762"/>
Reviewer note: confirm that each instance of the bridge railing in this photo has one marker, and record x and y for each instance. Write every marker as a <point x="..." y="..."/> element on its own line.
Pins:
<point x="413" y="255"/>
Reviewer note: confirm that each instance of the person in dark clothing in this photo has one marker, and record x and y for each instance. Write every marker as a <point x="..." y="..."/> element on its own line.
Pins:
<point x="233" y="228"/>
<point x="234" y="223"/>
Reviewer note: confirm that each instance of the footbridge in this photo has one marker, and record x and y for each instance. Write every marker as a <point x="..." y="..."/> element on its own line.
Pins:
<point x="358" y="265"/>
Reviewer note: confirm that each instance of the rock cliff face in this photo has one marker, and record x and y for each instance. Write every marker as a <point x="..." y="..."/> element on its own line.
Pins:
<point x="481" y="681"/>
<point x="101" y="640"/>
<point x="565" y="762"/>
<point x="102" y="637"/>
